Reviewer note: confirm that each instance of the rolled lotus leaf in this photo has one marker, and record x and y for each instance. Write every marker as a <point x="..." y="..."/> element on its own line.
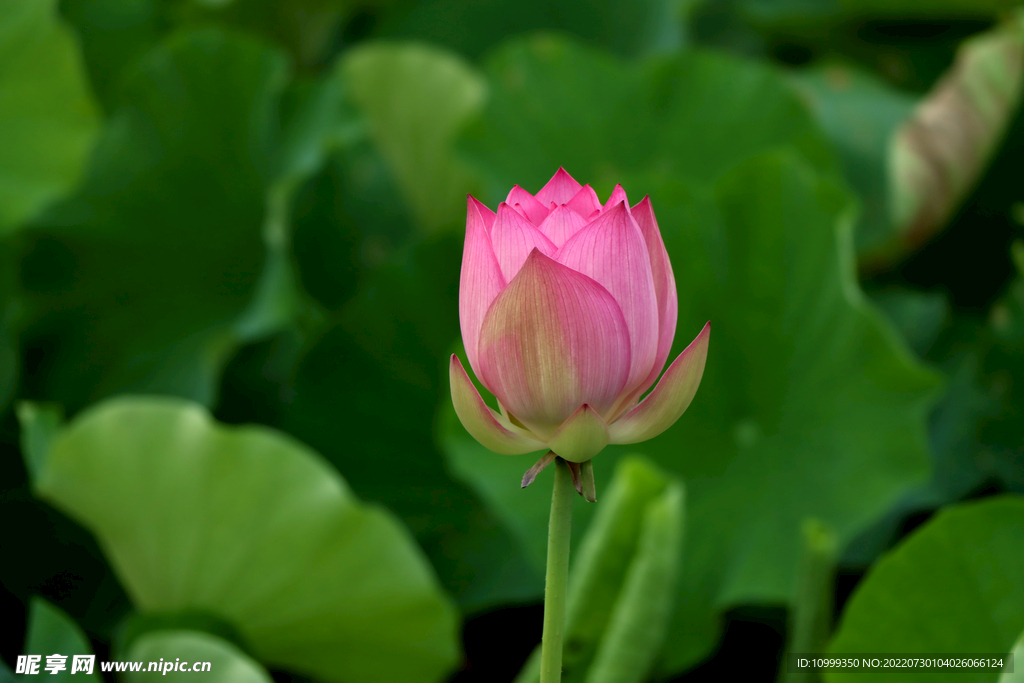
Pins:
<point x="937" y="156"/>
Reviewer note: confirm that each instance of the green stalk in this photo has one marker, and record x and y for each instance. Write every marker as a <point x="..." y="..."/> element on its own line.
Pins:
<point x="811" y="618"/>
<point x="559" y="529"/>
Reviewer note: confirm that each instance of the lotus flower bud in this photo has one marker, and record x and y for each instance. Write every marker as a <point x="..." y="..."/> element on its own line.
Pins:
<point x="568" y="311"/>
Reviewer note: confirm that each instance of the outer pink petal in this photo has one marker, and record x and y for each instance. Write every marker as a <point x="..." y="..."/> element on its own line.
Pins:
<point x="585" y="202"/>
<point x="513" y="238"/>
<point x="670" y="398"/>
<point x="480" y="421"/>
<point x="612" y="250"/>
<point x="618" y="195"/>
<point x="481" y="279"/>
<point x="664" y="285"/>
<point x="580" y="437"/>
<point x="561" y="224"/>
<point x="560" y="189"/>
<point x="485" y="213"/>
<point x="553" y="340"/>
<point x="532" y="208"/>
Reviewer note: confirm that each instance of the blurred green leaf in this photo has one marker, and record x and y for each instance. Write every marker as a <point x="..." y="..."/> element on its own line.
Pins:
<point x="611" y="549"/>
<point x="919" y="316"/>
<point x="976" y="432"/>
<point x="113" y="34"/>
<point x="417" y="98"/>
<point x="306" y="28"/>
<point x="932" y="9"/>
<point x="6" y="675"/>
<point x="10" y="314"/>
<point x="157" y="270"/>
<point x="809" y="406"/>
<point x="317" y="123"/>
<point x="368" y="382"/>
<point x="51" y="631"/>
<point x="954" y="585"/>
<point x="555" y="103"/>
<point x="1018" y="671"/>
<point x="139" y="624"/>
<point x="474" y="26"/>
<point x="639" y="620"/>
<point x="228" y="664"/>
<point x="860" y="113"/>
<point x="253" y="526"/>
<point x="39" y="423"/>
<point x="801" y="12"/>
<point x="48" y="120"/>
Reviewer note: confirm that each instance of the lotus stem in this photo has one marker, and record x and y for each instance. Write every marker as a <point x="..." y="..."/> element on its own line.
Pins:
<point x="559" y="530"/>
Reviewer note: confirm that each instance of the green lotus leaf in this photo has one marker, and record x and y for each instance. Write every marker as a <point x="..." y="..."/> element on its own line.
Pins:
<point x="416" y="99"/>
<point x="386" y="346"/>
<point x="953" y="586"/>
<point x="51" y="631"/>
<point x="472" y="27"/>
<point x="227" y="664"/>
<point x="252" y="526"/>
<point x="48" y="120"/>
<point x="860" y="113"/>
<point x="976" y="436"/>
<point x="171" y="255"/>
<point x="1017" y="675"/>
<point x="113" y="34"/>
<point x="10" y="310"/>
<point x="555" y="103"/>
<point x="813" y="13"/>
<point x="307" y="28"/>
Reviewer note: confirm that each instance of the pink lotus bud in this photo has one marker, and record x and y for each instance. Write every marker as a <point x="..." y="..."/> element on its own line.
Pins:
<point x="568" y="311"/>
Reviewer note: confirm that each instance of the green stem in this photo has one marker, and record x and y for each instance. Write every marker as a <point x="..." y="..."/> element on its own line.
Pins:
<point x="811" y="618"/>
<point x="559" y="529"/>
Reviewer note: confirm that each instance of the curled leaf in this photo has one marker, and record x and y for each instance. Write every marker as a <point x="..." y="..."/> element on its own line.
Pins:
<point x="940" y="152"/>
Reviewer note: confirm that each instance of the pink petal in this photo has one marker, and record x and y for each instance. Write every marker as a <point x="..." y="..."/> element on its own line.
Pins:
<point x="513" y="238"/>
<point x="560" y="189"/>
<point x="582" y="436"/>
<point x="664" y="286"/>
<point x="520" y="210"/>
<point x="480" y="421"/>
<point x="532" y="208"/>
<point x="485" y="212"/>
<point x="561" y="224"/>
<point x="612" y="250"/>
<point x="618" y="195"/>
<point x="553" y="340"/>
<point x="481" y="279"/>
<point x="670" y="398"/>
<point x="585" y="202"/>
